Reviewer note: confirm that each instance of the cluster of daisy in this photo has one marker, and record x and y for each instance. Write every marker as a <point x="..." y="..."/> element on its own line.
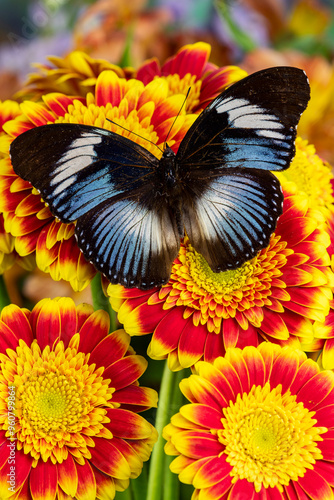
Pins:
<point x="259" y="339"/>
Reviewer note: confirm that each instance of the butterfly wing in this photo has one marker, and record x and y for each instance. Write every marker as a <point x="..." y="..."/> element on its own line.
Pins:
<point x="76" y="167"/>
<point x="132" y="242"/>
<point x="231" y="201"/>
<point x="252" y="124"/>
<point x="107" y="184"/>
<point x="229" y="219"/>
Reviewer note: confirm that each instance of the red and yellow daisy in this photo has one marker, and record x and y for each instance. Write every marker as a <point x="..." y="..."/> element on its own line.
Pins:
<point x="8" y="256"/>
<point x="190" y="68"/>
<point x="69" y="404"/>
<point x="260" y="425"/>
<point x="73" y="75"/>
<point x="276" y="296"/>
<point x="147" y="110"/>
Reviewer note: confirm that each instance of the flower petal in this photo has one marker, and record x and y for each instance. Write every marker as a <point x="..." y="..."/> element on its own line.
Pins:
<point x="43" y="481"/>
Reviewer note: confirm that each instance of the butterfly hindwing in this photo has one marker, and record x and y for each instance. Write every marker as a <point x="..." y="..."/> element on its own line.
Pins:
<point x="77" y="167"/>
<point x="132" y="242"/>
<point x="231" y="217"/>
<point x="250" y="125"/>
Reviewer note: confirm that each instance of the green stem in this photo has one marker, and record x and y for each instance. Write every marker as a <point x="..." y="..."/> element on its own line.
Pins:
<point x="164" y="412"/>
<point x="4" y="297"/>
<point x="100" y="301"/>
<point x="171" y="482"/>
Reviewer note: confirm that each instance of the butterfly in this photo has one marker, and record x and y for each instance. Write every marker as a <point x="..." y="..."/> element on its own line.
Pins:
<point x="132" y="209"/>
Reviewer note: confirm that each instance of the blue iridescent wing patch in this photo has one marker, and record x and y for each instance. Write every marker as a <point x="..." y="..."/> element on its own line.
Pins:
<point x="131" y="209"/>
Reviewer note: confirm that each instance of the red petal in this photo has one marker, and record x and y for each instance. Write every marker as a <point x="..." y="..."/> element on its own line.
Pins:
<point x="68" y="316"/>
<point x="325" y="416"/>
<point x="107" y="458"/>
<point x="22" y="467"/>
<point x="135" y="395"/>
<point x="255" y="366"/>
<point x="94" y="329"/>
<point x="316" y="389"/>
<point x="326" y="470"/>
<point x="191" y="343"/>
<point x="105" y="486"/>
<point x="274" y="326"/>
<point x="305" y="372"/>
<point x="148" y="71"/>
<point x="86" y="482"/>
<point x="284" y="369"/>
<point x="315" y="486"/>
<point x="143" y="319"/>
<point x="240" y="366"/>
<point x="48" y="324"/>
<point x="43" y="481"/>
<point x="68" y="476"/>
<point x="8" y="339"/>
<point x="189" y="59"/>
<point x="202" y="415"/>
<point x="327" y="448"/>
<point x="128" y="425"/>
<point x="242" y="489"/>
<point x="214" y="346"/>
<point x="197" y="444"/>
<point x="125" y="371"/>
<point x="109" y="89"/>
<point x="58" y="103"/>
<point x="110" y="349"/>
<point x="167" y="334"/>
<point x="212" y="472"/>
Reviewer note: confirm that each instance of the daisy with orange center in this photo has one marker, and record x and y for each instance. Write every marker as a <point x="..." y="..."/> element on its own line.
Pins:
<point x="276" y="296"/>
<point x="258" y="426"/>
<point x="69" y="403"/>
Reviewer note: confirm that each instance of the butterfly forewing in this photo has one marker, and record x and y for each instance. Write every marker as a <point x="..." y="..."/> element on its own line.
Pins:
<point x="77" y="167"/>
<point x="251" y="125"/>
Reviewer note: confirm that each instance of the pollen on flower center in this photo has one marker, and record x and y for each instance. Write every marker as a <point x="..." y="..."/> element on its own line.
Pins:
<point x="270" y="439"/>
<point x="52" y="402"/>
<point x="225" y="282"/>
<point x="60" y="399"/>
<point x="182" y="85"/>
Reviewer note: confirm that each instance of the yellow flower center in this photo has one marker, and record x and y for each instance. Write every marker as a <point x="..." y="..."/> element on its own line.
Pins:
<point x="217" y="283"/>
<point x="60" y="399"/>
<point x="311" y="175"/>
<point x="52" y="402"/>
<point x="270" y="439"/>
<point x="211" y="297"/>
<point x="179" y="85"/>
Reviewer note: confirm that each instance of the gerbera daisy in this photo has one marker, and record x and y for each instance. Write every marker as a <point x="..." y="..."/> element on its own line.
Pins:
<point x="190" y="68"/>
<point x="73" y="75"/>
<point x="147" y="110"/>
<point x="276" y="296"/>
<point x="259" y="425"/>
<point x="69" y="404"/>
<point x="8" y="256"/>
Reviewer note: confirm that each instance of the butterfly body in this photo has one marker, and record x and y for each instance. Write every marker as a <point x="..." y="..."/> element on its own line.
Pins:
<point x="132" y="209"/>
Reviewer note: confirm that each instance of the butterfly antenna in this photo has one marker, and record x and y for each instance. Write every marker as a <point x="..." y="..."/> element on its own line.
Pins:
<point x="134" y="133"/>
<point x="172" y="125"/>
